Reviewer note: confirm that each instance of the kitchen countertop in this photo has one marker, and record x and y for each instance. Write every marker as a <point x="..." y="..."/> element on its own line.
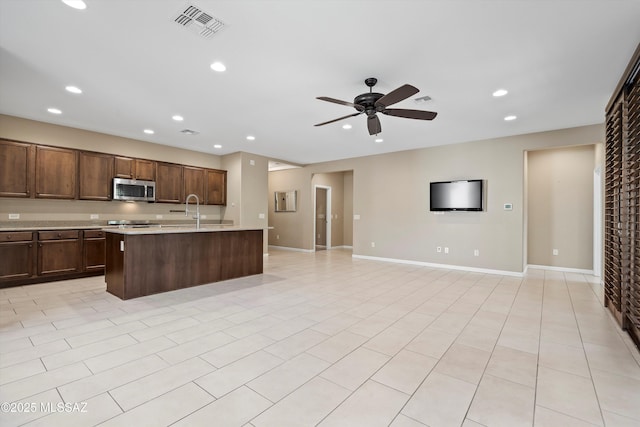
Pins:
<point x="73" y="225"/>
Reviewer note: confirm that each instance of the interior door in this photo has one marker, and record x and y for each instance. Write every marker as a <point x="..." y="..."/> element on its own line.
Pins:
<point x="321" y="218"/>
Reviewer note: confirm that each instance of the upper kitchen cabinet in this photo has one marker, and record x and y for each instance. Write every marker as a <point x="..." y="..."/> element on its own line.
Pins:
<point x="168" y="183"/>
<point x="16" y="166"/>
<point x="194" y="182"/>
<point x="216" y="187"/>
<point x="145" y="170"/>
<point x="56" y="173"/>
<point x="95" y="173"/>
<point x="126" y="167"/>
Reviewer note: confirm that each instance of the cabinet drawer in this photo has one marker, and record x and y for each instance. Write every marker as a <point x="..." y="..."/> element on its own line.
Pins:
<point x="93" y="234"/>
<point x="58" y="235"/>
<point x="16" y="236"/>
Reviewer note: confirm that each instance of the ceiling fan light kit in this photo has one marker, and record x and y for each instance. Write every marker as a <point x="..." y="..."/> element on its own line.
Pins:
<point x="371" y="103"/>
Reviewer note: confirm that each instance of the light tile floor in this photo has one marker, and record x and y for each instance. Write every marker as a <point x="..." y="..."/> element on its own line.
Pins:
<point x="320" y="339"/>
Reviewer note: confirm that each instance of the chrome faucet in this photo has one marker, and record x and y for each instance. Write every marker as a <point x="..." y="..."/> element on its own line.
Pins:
<point x="186" y="209"/>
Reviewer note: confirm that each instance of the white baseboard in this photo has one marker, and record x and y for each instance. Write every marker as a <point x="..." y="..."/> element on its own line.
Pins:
<point x="445" y="266"/>
<point x="286" y="248"/>
<point x="562" y="269"/>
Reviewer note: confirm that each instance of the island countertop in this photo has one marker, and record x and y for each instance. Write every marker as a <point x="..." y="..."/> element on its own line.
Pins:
<point x="169" y="229"/>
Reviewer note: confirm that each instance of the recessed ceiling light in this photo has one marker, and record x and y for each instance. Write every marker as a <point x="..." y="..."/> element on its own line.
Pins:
<point x="509" y="118"/>
<point x="251" y="138"/>
<point x="54" y="111"/>
<point x="217" y="146"/>
<point x="500" y="92"/>
<point x="379" y="140"/>
<point x="149" y="131"/>
<point x="177" y="118"/>
<point x="347" y="126"/>
<point x="76" y="4"/>
<point x="73" y="89"/>
<point x="218" y="66"/>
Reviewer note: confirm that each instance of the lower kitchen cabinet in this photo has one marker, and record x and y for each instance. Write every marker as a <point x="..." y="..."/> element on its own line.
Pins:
<point x="93" y="249"/>
<point x="42" y="256"/>
<point x="59" y="252"/>
<point x="17" y="255"/>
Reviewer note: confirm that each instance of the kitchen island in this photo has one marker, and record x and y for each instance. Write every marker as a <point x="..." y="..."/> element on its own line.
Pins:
<point x="145" y="261"/>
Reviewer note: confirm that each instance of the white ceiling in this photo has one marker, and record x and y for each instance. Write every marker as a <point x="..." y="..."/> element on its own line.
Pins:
<point x="559" y="59"/>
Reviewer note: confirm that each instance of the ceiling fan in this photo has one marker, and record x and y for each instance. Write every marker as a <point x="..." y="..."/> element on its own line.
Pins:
<point x="372" y="103"/>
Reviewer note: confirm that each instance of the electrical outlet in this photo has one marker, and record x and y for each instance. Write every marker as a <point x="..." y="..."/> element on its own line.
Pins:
<point x="277" y="237"/>
<point x="14" y="216"/>
<point x="439" y="249"/>
<point x="261" y="216"/>
<point x="158" y="216"/>
<point x="203" y="217"/>
<point x="555" y="252"/>
<point x="476" y="252"/>
<point x="356" y="217"/>
<point x="94" y="216"/>
<point x="446" y="250"/>
<point x="373" y="244"/>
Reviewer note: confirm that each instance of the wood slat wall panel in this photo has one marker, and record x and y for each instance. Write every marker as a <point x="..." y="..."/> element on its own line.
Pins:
<point x="622" y="202"/>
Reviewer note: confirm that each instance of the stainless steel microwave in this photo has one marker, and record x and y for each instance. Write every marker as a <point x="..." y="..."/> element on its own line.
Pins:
<point x="134" y="189"/>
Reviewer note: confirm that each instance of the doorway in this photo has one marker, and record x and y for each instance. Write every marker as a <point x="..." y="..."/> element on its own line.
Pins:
<point x="322" y="217"/>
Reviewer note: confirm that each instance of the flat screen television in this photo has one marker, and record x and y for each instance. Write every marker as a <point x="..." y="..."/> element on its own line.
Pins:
<point x="457" y="195"/>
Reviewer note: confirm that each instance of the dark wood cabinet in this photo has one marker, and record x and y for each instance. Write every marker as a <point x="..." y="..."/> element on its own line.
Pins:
<point x="56" y="173"/>
<point x="31" y="170"/>
<point x="93" y="249"/>
<point x="127" y="167"/>
<point x="123" y="167"/>
<point x="194" y="182"/>
<point x="216" y="187"/>
<point x="242" y="253"/>
<point x="59" y="252"/>
<point x="16" y="169"/>
<point x="17" y="255"/>
<point x="145" y="170"/>
<point x="145" y="264"/>
<point x="168" y="183"/>
<point x="95" y="176"/>
<point x="46" y="255"/>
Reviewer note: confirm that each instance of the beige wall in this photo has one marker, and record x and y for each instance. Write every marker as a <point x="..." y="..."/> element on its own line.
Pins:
<point x="560" y="199"/>
<point x="289" y="229"/>
<point x="391" y="196"/>
<point x="247" y="191"/>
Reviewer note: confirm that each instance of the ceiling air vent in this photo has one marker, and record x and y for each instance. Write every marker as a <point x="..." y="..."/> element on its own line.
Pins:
<point x="189" y="132"/>
<point x="198" y="21"/>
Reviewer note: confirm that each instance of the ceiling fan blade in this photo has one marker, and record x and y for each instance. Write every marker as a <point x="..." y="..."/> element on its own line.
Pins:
<point x="410" y="114"/>
<point x="340" y="118"/>
<point x="373" y="123"/>
<point x="397" y="95"/>
<point x="337" y="101"/>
